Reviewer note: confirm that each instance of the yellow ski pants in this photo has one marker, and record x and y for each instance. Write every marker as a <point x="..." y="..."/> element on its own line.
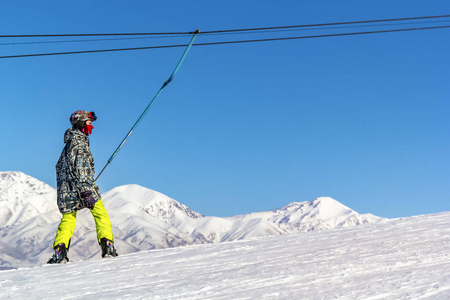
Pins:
<point x="68" y="222"/>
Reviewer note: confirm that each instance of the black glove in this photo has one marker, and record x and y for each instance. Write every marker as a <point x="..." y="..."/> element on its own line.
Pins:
<point x="88" y="199"/>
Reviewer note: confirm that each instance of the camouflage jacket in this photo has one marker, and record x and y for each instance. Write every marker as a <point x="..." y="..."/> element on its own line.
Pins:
<point x="75" y="172"/>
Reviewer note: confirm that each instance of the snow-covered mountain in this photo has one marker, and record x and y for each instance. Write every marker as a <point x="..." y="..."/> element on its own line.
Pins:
<point x="143" y="219"/>
<point x="404" y="258"/>
<point x="23" y="197"/>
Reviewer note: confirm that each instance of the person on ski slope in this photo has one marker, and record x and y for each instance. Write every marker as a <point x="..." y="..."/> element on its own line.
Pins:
<point x="77" y="190"/>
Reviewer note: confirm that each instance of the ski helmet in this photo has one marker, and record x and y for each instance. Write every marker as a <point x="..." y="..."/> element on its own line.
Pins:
<point x="82" y="116"/>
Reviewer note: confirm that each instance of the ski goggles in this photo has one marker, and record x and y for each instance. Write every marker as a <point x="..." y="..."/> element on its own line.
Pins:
<point x="91" y="115"/>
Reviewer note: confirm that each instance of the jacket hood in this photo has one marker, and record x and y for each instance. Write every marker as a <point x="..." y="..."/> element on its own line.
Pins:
<point x="75" y="136"/>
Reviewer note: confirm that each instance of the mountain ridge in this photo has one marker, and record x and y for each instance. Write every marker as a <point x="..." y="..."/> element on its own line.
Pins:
<point x="152" y="221"/>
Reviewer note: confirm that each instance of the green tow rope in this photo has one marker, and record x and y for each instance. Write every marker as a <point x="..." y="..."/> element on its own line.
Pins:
<point x="151" y="102"/>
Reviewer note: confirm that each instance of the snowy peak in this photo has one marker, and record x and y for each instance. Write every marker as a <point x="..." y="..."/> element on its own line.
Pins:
<point x="23" y="197"/>
<point x="138" y="199"/>
<point x="323" y="208"/>
<point x="16" y="186"/>
<point x="321" y="213"/>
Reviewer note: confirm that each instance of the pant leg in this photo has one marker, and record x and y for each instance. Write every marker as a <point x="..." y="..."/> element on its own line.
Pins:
<point x="65" y="229"/>
<point x="102" y="222"/>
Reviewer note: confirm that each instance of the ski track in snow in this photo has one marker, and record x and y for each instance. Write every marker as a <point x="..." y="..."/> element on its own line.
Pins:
<point x="397" y="259"/>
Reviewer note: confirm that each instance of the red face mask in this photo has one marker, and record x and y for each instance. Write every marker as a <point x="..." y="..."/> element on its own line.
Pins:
<point x="87" y="129"/>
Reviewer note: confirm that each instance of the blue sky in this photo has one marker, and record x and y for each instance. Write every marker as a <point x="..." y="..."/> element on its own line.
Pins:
<point x="245" y="127"/>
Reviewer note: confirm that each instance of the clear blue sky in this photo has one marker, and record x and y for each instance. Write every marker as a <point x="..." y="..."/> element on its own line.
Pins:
<point x="245" y="127"/>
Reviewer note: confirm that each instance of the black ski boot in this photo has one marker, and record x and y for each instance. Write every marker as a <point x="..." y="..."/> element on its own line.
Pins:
<point x="108" y="248"/>
<point x="60" y="255"/>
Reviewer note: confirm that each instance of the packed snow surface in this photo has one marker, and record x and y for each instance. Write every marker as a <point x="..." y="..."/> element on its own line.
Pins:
<point x="395" y="259"/>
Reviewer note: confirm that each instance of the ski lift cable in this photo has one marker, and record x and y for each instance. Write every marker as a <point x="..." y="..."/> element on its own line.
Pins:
<point x="229" y="42"/>
<point x="331" y="28"/>
<point x="325" y="24"/>
<point x="94" y="40"/>
<point x="220" y="31"/>
<point x="218" y="34"/>
<point x="175" y="71"/>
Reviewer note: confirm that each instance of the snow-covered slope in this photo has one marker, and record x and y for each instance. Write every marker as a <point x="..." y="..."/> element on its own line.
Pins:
<point x="143" y="219"/>
<point x="398" y="259"/>
<point x="23" y="197"/>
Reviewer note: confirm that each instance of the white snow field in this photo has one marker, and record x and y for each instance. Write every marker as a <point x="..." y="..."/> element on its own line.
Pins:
<point x="396" y="259"/>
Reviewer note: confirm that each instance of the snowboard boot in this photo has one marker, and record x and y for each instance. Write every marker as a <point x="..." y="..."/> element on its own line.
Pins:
<point x="108" y="249"/>
<point x="60" y="255"/>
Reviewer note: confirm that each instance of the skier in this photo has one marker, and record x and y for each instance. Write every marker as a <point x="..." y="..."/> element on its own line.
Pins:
<point x="76" y="189"/>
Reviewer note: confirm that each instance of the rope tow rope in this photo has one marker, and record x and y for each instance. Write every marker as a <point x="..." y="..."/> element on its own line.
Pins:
<point x="175" y="71"/>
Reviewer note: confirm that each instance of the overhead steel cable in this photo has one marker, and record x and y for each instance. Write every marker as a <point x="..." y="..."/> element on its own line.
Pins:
<point x="332" y="28"/>
<point x="221" y="31"/>
<point x="325" y="24"/>
<point x="90" y="40"/>
<point x="90" y="34"/>
<point x="227" y="42"/>
<point x="213" y="34"/>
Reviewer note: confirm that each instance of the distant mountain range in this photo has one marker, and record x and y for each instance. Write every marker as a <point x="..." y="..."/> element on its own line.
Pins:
<point x="143" y="219"/>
